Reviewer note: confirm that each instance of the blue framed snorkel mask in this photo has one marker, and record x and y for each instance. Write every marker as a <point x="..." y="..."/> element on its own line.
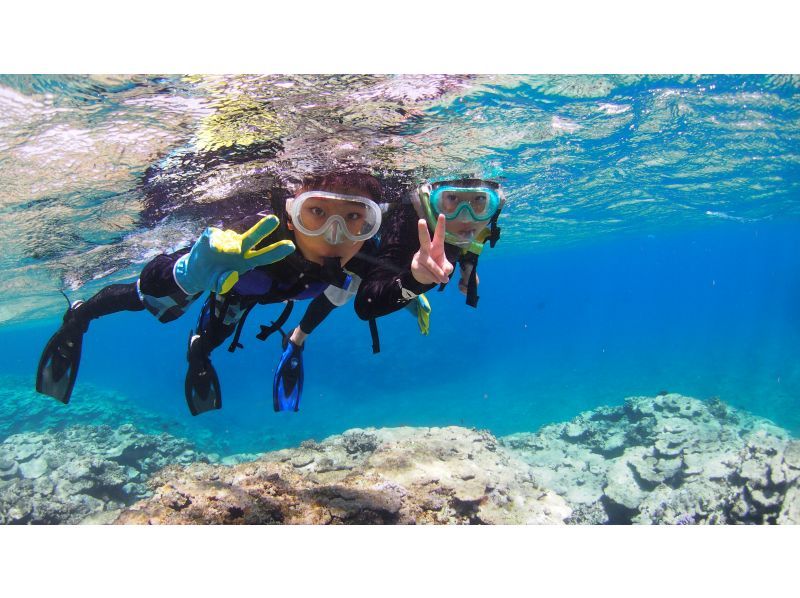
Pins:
<point x="463" y="200"/>
<point x="478" y="203"/>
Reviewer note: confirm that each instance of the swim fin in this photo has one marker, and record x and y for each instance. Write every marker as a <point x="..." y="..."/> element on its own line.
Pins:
<point x="287" y="387"/>
<point x="58" y="365"/>
<point x="202" y="388"/>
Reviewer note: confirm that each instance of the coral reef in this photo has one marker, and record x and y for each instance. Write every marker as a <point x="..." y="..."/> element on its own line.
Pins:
<point x="22" y="409"/>
<point x="667" y="459"/>
<point x="396" y="475"/>
<point x="83" y="473"/>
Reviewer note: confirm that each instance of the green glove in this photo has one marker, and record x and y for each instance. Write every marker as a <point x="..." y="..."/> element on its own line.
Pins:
<point x="219" y="256"/>
<point x="421" y="309"/>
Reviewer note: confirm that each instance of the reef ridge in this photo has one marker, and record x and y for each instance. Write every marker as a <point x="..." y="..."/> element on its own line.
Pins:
<point x="668" y="459"/>
<point x="386" y="476"/>
<point x="82" y="474"/>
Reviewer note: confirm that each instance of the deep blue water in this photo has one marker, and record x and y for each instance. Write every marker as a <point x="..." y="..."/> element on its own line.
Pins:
<point x="650" y="241"/>
<point x="706" y="312"/>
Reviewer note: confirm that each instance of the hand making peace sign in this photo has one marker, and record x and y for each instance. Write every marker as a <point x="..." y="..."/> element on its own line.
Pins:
<point x="430" y="265"/>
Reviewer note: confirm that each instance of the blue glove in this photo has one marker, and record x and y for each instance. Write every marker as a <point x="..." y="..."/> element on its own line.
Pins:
<point x="219" y="256"/>
<point x="288" y="384"/>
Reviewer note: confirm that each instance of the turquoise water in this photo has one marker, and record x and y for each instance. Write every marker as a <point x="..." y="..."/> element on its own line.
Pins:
<point x="650" y="243"/>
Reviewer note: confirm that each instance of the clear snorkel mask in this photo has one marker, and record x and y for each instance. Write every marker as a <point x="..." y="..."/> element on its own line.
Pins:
<point x="477" y="202"/>
<point x="336" y="216"/>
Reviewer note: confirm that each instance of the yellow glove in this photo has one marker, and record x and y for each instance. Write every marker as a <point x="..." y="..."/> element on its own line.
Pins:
<point x="421" y="308"/>
<point x="219" y="256"/>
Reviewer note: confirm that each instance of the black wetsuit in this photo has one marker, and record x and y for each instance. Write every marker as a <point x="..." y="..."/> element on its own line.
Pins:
<point x="382" y="283"/>
<point x="390" y="285"/>
<point x="293" y="278"/>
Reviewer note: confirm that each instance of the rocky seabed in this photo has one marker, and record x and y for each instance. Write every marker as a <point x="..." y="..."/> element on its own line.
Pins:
<point x="668" y="459"/>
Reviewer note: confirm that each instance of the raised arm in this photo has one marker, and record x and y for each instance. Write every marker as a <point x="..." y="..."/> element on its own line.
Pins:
<point x="408" y="263"/>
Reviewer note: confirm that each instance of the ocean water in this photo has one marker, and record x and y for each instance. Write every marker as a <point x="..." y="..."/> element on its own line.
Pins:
<point x="650" y="243"/>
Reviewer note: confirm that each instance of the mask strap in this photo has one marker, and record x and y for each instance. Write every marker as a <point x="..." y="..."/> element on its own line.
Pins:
<point x="472" y="285"/>
<point x="494" y="230"/>
<point x="376" y="341"/>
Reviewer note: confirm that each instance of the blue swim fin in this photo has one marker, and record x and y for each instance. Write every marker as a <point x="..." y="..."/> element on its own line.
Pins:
<point x="287" y="387"/>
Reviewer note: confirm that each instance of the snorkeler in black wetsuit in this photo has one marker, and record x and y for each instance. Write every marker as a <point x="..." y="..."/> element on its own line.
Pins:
<point x="462" y="215"/>
<point x="331" y="220"/>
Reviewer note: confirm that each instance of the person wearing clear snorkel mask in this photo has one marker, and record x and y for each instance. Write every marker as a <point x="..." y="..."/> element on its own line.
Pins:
<point x="307" y="246"/>
<point x="441" y="224"/>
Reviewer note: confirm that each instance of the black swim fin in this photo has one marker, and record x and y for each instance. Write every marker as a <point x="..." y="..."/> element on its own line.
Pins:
<point x="203" y="392"/>
<point x="58" y="365"/>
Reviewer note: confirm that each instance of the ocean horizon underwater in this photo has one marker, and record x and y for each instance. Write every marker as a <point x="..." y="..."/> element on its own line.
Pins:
<point x="628" y="266"/>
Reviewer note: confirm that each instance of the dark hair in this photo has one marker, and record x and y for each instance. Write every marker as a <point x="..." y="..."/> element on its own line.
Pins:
<point x="351" y="183"/>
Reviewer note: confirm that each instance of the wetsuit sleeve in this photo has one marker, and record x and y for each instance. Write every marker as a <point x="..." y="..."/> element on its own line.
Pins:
<point x="388" y="285"/>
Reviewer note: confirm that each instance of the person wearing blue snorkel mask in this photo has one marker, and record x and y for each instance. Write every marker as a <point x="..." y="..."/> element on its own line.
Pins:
<point x="308" y="245"/>
<point x="441" y="224"/>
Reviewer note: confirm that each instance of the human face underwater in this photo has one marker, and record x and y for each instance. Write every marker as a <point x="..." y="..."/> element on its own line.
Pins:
<point x="467" y="210"/>
<point x="328" y="224"/>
